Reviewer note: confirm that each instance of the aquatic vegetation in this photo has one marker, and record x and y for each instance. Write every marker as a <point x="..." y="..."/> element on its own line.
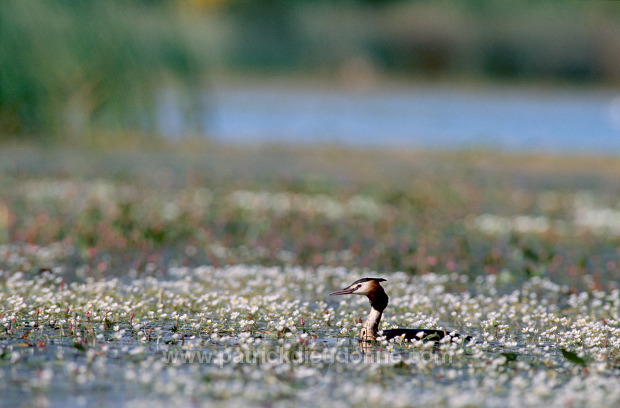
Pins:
<point x="164" y="288"/>
<point x="217" y="333"/>
<point x="108" y="225"/>
<point x="587" y="217"/>
<point x="285" y="203"/>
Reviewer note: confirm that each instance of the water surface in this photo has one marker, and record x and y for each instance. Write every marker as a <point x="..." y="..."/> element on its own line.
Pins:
<point x="447" y="117"/>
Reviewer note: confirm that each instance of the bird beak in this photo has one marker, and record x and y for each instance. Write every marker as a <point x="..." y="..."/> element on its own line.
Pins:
<point x="345" y="291"/>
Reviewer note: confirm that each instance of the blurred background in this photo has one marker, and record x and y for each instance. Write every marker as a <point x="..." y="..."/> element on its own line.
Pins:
<point x="392" y="135"/>
<point x="447" y="75"/>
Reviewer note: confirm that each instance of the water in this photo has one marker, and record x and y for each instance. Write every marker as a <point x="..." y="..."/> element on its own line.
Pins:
<point x="446" y="117"/>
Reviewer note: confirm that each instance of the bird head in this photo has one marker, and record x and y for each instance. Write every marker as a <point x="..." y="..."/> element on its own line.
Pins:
<point x="364" y="286"/>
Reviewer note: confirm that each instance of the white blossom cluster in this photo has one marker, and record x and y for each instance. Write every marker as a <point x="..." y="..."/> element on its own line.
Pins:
<point x="317" y="204"/>
<point x="254" y="336"/>
<point x="585" y="215"/>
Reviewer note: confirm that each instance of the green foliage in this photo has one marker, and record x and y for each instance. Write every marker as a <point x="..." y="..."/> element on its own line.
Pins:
<point x="70" y="67"/>
<point x="510" y="356"/>
<point x="69" y="64"/>
<point x="548" y="40"/>
<point x="573" y="357"/>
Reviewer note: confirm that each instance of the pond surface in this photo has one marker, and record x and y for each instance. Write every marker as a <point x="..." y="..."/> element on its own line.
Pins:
<point x="410" y="115"/>
<point x="240" y="336"/>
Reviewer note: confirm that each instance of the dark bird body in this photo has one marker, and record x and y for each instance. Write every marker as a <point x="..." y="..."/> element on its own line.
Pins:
<point x="371" y="288"/>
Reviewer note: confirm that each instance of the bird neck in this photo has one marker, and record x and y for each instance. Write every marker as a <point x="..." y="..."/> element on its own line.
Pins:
<point x="378" y="302"/>
<point x="371" y="327"/>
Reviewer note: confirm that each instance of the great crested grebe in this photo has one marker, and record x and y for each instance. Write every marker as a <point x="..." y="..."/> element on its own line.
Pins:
<point x="371" y="288"/>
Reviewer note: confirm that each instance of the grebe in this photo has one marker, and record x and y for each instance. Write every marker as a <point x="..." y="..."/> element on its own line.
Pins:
<point x="371" y="288"/>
